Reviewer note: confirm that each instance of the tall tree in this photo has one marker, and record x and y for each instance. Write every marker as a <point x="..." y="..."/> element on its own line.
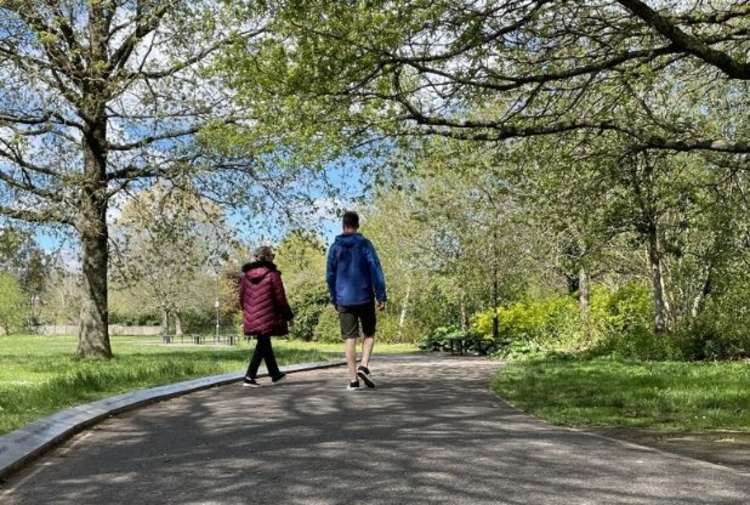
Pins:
<point x="13" y="303"/>
<point x="167" y="241"/>
<point x="21" y="255"/>
<point x="301" y="256"/>
<point x="497" y="70"/>
<point x="96" y="97"/>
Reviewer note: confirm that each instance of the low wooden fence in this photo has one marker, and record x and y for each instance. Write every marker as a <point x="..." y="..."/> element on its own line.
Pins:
<point x="199" y="339"/>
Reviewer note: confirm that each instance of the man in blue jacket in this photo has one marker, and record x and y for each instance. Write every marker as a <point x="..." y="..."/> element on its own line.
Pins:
<point x="355" y="282"/>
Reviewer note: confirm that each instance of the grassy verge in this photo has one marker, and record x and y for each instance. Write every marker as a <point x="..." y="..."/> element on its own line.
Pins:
<point x="39" y="376"/>
<point x="665" y="396"/>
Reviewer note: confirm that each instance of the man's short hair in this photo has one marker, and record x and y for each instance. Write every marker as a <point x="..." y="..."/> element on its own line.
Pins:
<point x="350" y="219"/>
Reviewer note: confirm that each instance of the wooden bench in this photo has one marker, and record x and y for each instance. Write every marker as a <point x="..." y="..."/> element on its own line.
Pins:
<point x="459" y="345"/>
<point x="198" y="339"/>
<point x="227" y="339"/>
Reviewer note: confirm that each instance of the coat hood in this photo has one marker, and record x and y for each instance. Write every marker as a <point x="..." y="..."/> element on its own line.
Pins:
<point x="255" y="271"/>
<point x="349" y="239"/>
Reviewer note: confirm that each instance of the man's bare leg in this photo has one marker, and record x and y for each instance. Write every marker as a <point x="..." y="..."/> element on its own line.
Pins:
<point x="364" y="371"/>
<point x="367" y="344"/>
<point x="351" y="357"/>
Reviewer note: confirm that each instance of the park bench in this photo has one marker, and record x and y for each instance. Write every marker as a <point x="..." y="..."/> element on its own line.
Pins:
<point x="199" y="339"/>
<point x="227" y="339"/>
<point x="459" y="344"/>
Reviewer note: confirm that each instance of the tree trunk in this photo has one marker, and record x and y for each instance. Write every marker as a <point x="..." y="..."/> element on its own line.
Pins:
<point x="93" y="338"/>
<point x="495" y="291"/>
<point x="404" y="310"/>
<point x="463" y="313"/>
<point x="583" y="292"/>
<point x="60" y="315"/>
<point x="177" y="324"/>
<point x="649" y="228"/>
<point x="657" y="283"/>
<point x="700" y="299"/>
<point x="164" y="325"/>
<point x="573" y="282"/>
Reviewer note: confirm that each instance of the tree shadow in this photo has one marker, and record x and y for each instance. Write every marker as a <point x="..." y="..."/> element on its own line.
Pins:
<point x="430" y="434"/>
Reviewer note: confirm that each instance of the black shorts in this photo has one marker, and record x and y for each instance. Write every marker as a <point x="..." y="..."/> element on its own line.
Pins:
<point x="352" y="316"/>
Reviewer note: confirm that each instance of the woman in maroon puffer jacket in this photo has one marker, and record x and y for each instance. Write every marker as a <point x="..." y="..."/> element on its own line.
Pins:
<point x="265" y="311"/>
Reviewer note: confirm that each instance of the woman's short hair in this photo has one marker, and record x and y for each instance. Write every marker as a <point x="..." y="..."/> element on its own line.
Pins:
<point x="264" y="253"/>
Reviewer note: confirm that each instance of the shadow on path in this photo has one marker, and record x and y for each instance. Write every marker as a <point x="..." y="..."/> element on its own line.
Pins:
<point x="432" y="433"/>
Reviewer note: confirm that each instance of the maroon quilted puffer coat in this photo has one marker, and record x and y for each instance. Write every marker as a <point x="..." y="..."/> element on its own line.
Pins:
<point x="264" y="305"/>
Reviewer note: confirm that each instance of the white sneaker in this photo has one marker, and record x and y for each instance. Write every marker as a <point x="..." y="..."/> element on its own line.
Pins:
<point x="250" y="383"/>
<point x="353" y="386"/>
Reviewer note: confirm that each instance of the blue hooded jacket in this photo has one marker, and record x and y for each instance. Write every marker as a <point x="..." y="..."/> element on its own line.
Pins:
<point x="353" y="272"/>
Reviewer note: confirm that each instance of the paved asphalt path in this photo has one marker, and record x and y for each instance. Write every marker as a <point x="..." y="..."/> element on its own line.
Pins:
<point x="432" y="433"/>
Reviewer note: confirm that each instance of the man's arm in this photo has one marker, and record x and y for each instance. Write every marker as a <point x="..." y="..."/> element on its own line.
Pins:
<point x="331" y="274"/>
<point x="376" y="272"/>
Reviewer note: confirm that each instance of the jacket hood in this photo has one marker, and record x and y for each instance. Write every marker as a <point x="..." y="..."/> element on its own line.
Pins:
<point x="256" y="270"/>
<point x="349" y="239"/>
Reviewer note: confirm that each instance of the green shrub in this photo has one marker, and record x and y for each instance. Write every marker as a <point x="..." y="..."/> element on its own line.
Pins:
<point x="437" y="338"/>
<point x="642" y="345"/>
<point x="521" y="350"/>
<point x="238" y="322"/>
<point x="308" y="302"/>
<point x="13" y="304"/>
<point x="618" y="323"/>
<point x="388" y="329"/>
<point x="128" y="316"/>
<point x="446" y="338"/>
<point x="549" y="325"/>
<point x="546" y="322"/>
<point x="622" y="321"/>
<point x="328" y="328"/>
<point x="202" y="321"/>
<point x="722" y="331"/>
<point x="625" y="311"/>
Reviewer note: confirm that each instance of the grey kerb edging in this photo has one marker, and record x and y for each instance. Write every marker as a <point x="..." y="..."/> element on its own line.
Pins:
<point x="21" y="446"/>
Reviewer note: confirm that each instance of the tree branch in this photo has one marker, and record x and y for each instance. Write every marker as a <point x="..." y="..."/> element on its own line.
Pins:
<point x="38" y="216"/>
<point x="16" y="158"/>
<point x="688" y="43"/>
<point x="151" y="139"/>
<point x="145" y="23"/>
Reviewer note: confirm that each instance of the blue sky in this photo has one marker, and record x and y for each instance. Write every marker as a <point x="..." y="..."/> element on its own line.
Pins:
<point x="347" y="176"/>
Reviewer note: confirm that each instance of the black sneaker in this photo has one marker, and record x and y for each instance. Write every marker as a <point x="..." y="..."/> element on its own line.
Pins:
<point x="364" y="373"/>
<point x="353" y="386"/>
<point x="278" y="378"/>
<point x="250" y="383"/>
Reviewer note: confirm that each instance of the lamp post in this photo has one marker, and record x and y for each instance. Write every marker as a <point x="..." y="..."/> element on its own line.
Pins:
<point x="216" y="306"/>
<point x="495" y="316"/>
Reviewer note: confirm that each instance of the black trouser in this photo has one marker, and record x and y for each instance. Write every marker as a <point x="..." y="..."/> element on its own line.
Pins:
<point x="263" y="350"/>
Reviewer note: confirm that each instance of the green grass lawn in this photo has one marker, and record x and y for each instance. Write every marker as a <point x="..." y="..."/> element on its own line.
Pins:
<point x="604" y="392"/>
<point x="38" y="375"/>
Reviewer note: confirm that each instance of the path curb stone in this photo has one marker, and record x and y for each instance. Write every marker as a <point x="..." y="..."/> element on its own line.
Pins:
<point x="19" y="447"/>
